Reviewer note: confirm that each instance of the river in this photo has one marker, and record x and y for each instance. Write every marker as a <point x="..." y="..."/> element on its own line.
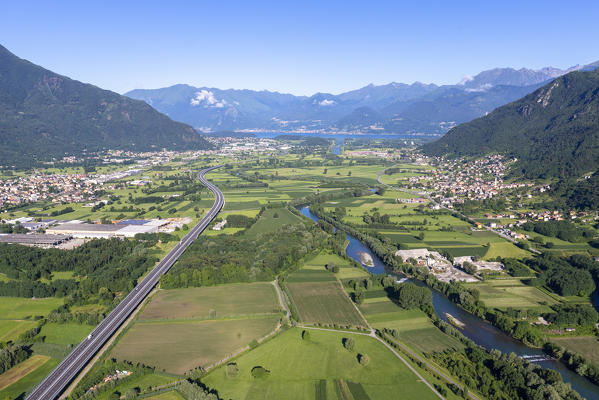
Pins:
<point x="476" y="329"/>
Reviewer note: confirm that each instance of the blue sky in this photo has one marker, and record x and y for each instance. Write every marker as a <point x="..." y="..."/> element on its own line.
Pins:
<point x="298" y="47"/>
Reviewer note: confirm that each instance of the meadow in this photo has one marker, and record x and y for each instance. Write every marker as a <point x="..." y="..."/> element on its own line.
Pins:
<point x="177" y="347"/>
<point x="212" y="302"/>
<point x="318" y="296"/>
<point x="324" y="303"/>
<point x="585" y="345"/>
<point x="504" y="293"/>
<point x="181" y="329"/>
<point x="414" y="327"/>
<point x="23" y="383"/>
<point x="318" y="365"/>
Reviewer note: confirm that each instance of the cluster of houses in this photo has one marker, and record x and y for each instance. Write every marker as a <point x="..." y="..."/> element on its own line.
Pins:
<point x="443" y="269"/>
<point x="480" y="179"/>
<point x="67" y="188"/>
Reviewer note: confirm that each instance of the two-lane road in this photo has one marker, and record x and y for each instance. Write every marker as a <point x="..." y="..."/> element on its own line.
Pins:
<point x="56" y="382"/>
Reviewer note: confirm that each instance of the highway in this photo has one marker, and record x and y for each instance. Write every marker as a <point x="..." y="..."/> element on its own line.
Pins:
<point x="56" y="382"/>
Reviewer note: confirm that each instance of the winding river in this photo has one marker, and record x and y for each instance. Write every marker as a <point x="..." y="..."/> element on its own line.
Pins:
<point x="476" y="329"/>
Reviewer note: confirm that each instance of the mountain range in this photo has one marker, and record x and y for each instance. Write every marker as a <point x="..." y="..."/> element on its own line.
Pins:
<point x="552" y="132"/>
<point x="45" y="116"/>
<point x="416" y="108"/>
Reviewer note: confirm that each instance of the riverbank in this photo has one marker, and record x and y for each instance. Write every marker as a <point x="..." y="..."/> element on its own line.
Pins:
<point x="475" y="328"/>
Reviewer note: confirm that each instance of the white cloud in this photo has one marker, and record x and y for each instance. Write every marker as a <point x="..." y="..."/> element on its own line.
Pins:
<point x="207" y="99"/>
<point x="326" y="102"/>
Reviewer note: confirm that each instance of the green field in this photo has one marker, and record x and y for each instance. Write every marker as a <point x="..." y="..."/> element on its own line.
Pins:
<point x="505" y="250"/>
<point x="142" y="382"/>
<point x="29" y="381"/>
<point x="324" y="303"/>
<point x="65" y="333"/>
<point x="20" y="308"/>
<point x="212" y="302"/>
<point x="297" y="368"/>
<point x="22" y="369"/>
<point x="170" y="395"/>
<point x="178" y="347"/>
<point x="11" y="329"/>
<point x="272" y="219"/>
<point x="588" y="346"/>
<point x="504" y="293"/>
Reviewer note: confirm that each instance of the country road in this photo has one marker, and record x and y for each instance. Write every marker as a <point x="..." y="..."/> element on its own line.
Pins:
<point x="56" y="382"/>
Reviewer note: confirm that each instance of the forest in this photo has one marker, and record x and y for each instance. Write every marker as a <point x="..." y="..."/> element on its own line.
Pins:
<point x="113" y="264"/>
<point x="239" y="258"/>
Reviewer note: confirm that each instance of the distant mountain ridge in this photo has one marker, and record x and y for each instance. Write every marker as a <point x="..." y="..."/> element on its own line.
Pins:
<point x="44" y="115"/>
<point x="392" y="108"/>
<point x="552" y="132"/>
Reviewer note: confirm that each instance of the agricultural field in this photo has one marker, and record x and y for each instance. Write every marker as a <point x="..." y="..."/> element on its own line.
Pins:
<point x="11" y="329"/>
<point x="199" y="326"/>
<point x="414" y="326"/>
<point x="504" y="293"/>
<point x="272" y="219"/>
<point x="65" y="333"/>
<point x="23" y="377"/>
<point x="319" y="299"/>
<point x="585" y="345"/>
<point x="418" y="227"/>
<point x="212" y="302"/>
<point x="23" y="308"/>
<point x="314" y="368"/>
<point x="177" y="347"/>
<point x="170" y="395"/>
<point x="142" y="382"/>
<point x="346" y="268"/>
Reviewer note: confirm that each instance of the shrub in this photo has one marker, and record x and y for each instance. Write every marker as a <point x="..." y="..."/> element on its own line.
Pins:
<point x="349" y="343"/>
<point x="232" y="370"/>
<point x="363" y="359"/>
<point x="260" y="372"/>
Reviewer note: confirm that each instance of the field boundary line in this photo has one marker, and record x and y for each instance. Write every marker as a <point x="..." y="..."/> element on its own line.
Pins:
<point x="104" y="348"/>
<point x="354" y="304"/>
<point x="388" y="346"/>
<point x="432" y="368"/>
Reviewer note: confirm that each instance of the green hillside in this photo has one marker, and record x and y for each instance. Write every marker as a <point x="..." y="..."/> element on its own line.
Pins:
<point x="44" y="115"/>
<point x="553" y="132"/>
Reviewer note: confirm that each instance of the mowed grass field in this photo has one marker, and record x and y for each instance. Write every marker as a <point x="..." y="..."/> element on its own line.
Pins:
<point x="346" y="269"/>
<point x="324" y="303"/>
<point x="298" y="367"/>
<point x="585" y="345"/>
<point x="177" y="347"/>
<point x="414" y="327"/>
<point x="65" y="333"/>
<point x="11" y="329"/>
<point x="504" y="293"/>
<point x="319" y="298"/>
<point x="212" y="302"/>
<point x="272" y="219"/>
<point x="19" y="307"/>
<point x="23" y="384"/>
<point x="182" y="329"/>
<point x="170" y="395"/>
<point x="20" y="370"/>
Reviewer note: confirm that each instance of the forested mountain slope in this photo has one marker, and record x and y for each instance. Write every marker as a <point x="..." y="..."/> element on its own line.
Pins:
<point x="44" y="115"/>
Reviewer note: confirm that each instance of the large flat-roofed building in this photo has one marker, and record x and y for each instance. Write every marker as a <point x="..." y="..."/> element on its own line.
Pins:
<point x="35" y="239"/>
<point x="85" y="230"/>
<point x="132" y="230"/>
<point x="100" y="230"/>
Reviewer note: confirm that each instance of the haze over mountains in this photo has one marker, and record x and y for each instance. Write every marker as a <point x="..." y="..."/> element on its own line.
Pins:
<point x="393" y="108"/>
<point x="44" y="115"/>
